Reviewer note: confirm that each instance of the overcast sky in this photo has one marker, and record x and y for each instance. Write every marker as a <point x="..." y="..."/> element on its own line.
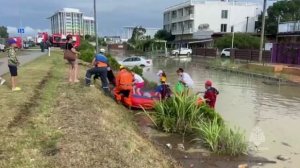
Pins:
<point x="112" y="14"/>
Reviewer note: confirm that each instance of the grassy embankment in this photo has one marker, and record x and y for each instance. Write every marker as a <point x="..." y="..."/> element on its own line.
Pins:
<point x="53" y="124"/>
<point x="246" y="68"/>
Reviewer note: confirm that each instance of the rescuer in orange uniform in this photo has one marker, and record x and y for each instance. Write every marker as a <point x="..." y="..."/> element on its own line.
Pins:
<point x="124" y="85"/>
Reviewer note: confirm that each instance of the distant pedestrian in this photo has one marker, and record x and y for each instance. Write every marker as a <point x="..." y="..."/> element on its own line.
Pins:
<point x="73" y="68"/>
<point x="185" y="79"/>
<point x="100" y="63"/>
<point x="13" y="63"/>
<point x="210" y="94"/>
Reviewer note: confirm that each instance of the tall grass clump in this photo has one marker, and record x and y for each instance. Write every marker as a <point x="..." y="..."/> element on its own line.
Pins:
<point x="221" y="139"/>
<point x="180" y="113"/>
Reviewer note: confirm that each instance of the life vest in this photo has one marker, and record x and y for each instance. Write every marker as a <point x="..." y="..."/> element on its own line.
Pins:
<point x="124" y="80"/>
<point x="101" y="60"/>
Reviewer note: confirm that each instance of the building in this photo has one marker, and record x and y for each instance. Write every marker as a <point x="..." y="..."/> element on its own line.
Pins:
<point x="149" y="31"/>
<point x="289" y="32"/>
<point x="71" y="21"/>
<point x="199" y="19"/>
<point x="88" y="26"/>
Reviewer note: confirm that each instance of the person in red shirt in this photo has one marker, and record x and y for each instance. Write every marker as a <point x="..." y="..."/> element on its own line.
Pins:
<point x="210" y="94"/>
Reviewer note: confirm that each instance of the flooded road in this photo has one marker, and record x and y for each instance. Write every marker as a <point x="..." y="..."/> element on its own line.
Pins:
<point x="269" y="113"/>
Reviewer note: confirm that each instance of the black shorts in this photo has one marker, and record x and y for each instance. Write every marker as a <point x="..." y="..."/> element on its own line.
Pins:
<point x="13" y="70"/>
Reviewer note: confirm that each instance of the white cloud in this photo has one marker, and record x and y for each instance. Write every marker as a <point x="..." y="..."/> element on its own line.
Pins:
<point x="29" y="31"/>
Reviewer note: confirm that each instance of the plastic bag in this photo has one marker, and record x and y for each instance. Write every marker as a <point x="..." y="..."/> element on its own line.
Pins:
<point x="179" y="88"/>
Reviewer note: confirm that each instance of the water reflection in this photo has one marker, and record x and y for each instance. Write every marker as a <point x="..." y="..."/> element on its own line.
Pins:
<point x="247" y="102"/>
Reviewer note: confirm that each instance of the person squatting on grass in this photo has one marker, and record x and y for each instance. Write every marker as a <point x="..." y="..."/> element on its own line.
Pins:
<point x="13" y="63"/>
<point x="73" y="68"/>
<point x="100" y="63"/>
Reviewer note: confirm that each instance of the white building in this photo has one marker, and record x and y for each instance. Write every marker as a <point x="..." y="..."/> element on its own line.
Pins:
<point x="88" y="26"/>
<point x="193" y="18"/>
<point x="71" y="21"/>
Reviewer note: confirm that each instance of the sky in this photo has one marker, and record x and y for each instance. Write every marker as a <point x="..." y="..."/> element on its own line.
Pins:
<point x="112" y="14"/>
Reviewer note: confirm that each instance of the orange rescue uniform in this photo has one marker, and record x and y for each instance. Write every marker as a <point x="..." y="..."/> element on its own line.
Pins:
<point x="124" y="83"/>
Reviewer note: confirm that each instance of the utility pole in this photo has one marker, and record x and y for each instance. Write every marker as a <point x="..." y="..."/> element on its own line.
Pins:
<point x="247" y="24"/>
<point x="95" y="25"/>
<point x="278" y="28"/>
<point x="262" y="35"/>
<point x="232" y="40"/>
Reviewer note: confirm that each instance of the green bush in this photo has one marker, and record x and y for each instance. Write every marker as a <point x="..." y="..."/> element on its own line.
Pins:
<point x="114" y="64"/>
<point x="87" y="55"/>
<point x="85" y="45"/>
<point x="137" y="70"/>
<point x="186" y="112"/>
<point x="241" y="41"/>
<point x="221" y="139"/>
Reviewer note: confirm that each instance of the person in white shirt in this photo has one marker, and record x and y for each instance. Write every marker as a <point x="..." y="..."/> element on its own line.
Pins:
<point x="138" y="83"/>
<point x="185" y="78"/>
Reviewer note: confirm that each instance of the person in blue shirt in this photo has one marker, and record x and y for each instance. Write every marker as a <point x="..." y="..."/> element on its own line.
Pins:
<point x="100" y="63"/>
<point x="163" y="91"/>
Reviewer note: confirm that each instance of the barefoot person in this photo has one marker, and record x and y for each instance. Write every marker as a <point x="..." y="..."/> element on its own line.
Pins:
<point x="13" y="63"/>
<point x="73" y="68"/>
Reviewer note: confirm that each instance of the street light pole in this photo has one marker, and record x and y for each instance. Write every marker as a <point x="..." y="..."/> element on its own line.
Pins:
<point x="95" y="25"/>
<point x="262" y="35"/>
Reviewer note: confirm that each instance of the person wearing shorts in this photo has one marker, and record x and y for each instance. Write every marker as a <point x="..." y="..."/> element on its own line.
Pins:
<point x="138" y="83"/>
<point x="13" y="64"/>
<point x="73" y="68"/>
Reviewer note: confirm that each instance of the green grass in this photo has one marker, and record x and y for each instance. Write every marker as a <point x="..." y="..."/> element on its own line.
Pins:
<point x="62" y="125"/>
<point x="181" y="114"/>
<point x="221" y="139"/>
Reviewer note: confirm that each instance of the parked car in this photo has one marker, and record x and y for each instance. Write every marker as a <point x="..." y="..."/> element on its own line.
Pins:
<point x="182" y="51"/>
<point x="136" y="61"/>
<point x="225" y="52"/>
<point x="2" y="47"/>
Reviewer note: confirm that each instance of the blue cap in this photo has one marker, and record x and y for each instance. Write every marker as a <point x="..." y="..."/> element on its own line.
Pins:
<point x="11" y="41"/>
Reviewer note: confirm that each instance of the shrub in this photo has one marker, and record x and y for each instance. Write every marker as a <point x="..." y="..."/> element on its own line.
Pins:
<point x="221" y="139"/>
<point x="87" y="55"/>
<point x="137" y="70"/>
<point x="114" y="64"/>
<point x="186" y="112"/>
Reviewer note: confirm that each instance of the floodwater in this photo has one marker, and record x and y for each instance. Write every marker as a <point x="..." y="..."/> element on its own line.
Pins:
<point x="268" y="112"/>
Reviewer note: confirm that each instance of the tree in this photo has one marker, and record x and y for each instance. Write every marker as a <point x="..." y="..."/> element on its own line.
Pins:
<point x="241" y="41"/>
<point x="137" y="34"/>
<point x="164" y="35"/>
<point x="3" y="32"/>
<point x="285" y="10"/>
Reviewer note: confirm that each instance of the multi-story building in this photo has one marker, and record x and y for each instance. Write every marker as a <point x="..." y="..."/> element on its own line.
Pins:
<point x="88" y="25"/>
<point x="71" y="21"/>
<point x="186" y="20"/>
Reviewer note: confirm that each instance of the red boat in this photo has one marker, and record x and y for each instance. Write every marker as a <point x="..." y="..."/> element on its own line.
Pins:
<point x="141" y="102"/>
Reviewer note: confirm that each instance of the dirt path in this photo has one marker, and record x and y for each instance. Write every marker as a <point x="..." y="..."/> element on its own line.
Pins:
<point x="53" y="124"/>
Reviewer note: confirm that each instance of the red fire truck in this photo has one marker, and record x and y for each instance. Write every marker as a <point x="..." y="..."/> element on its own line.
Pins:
<point x="60" y="40"/>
